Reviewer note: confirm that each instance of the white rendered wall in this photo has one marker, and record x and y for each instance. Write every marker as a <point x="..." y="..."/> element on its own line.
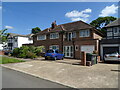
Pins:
<point x="1" y="48"/>
<point x="23" y="40"/>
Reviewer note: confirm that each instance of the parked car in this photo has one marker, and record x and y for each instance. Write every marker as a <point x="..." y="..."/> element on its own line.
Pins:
<point x="115" y="56"/>
<point x="54" y="54"/>
<point x="7" y="52"/>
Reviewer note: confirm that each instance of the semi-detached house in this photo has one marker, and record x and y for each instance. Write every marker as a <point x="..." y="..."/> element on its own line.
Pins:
<point x="70" y="38"/>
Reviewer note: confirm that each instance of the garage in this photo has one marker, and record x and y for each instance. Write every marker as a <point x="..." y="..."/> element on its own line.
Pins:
<point x="88" y="48"/>
<point x="108" y="50"/>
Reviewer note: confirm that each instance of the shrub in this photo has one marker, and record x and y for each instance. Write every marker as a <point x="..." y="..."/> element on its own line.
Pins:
<point x="39" y="50"/>
<point x="28" y="51"/>
<point x="16" y="52"/>
<point x="30" y="55"/>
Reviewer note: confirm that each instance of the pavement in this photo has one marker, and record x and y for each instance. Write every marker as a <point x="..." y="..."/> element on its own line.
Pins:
<point x="101" y="75"/>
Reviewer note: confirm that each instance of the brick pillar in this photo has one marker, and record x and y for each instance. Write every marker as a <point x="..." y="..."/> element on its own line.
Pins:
<point x="83" y="58"/>
<point x="98" y="58"/>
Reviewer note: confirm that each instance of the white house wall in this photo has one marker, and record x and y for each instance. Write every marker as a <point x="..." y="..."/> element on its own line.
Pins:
<point x="23" y="40"/>
<point x="1" y="46"/>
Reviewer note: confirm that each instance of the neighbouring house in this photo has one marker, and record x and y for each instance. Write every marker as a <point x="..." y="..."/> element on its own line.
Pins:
<point x="1" y="46"/>
<point x="70" y="38"/>
<point x="111" y="43"/>
<point x="16" y="40"/>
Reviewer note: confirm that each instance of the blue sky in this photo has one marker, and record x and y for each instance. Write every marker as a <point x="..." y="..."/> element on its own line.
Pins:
<point x="21" y="17"/>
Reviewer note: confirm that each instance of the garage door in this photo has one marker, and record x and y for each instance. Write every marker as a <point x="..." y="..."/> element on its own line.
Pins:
<point x="108" y="50"/>
<point x="88" y="48"/>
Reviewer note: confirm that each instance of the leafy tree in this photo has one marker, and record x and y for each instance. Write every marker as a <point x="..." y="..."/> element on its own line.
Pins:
<point x="2" y="32"/>
<point x="3" y="35"/>
<point x="100" y="22"/>
<point x="36" y="30"/>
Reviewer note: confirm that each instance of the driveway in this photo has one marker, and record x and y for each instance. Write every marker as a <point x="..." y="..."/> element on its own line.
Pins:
<point x="97" y="76"/>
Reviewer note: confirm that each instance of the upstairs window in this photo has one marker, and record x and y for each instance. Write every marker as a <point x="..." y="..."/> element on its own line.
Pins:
<point x="115" y="30"/>
<point x="84" y="33"/>
<point x="54" y="35"/>
<point x="41" y="37"/>
<point x="73" y="34"/>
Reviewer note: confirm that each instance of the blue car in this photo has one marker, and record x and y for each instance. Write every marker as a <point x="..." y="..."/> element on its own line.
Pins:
<point x="54" y="54"/>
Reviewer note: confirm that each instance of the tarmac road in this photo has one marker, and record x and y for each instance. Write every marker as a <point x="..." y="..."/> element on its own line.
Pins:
<point x="14" y="79"/>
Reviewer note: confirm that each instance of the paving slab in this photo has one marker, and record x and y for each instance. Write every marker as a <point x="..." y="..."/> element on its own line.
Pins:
<point x="97" y="76"/>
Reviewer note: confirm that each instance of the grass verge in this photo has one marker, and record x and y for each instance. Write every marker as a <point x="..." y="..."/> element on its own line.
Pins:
<point x="5" y="60"/>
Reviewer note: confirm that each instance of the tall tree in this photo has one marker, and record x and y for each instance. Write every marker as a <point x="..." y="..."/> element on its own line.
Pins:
<point x="100" y="22"/>
<point x="35" y="30"/>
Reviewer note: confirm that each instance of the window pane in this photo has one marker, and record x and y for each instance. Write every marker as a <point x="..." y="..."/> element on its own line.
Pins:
<point x="84" y="33"/>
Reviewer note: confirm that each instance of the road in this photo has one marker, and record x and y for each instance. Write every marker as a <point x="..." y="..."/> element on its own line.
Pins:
<point x="14" y="79"/>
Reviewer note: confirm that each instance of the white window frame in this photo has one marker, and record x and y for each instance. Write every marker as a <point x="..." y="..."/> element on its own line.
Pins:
<point x="57" y="46"/>
<point x="51" y="35"/>
<point x="84" y="33"/>
<point x="41" y="36"/>
<point x="74" y="33"/>
<point x="117" y="30"/>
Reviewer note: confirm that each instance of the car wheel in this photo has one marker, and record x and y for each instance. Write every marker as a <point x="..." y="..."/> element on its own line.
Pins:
<point x="55" y="58"/>
<point x="62" y="58"/>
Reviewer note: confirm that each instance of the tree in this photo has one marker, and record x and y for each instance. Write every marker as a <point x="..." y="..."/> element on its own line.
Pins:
<point x="2" y="32"/>
<point x="3" y="35"/>
<point x="100" y="22"/>
<point x="36" y="30"/>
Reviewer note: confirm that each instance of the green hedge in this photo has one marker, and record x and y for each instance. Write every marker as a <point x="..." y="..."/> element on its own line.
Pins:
<point x="27" y="51"/>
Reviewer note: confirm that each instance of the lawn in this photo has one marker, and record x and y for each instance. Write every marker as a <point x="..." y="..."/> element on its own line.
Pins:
<point x="5" y="60"/>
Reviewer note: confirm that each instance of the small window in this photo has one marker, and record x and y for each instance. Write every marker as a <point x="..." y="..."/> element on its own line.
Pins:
<point x="84" y="33"/>
<point x="41" y="37"/>
<point x="73" y="34"/>
<point x="76" y="47"/>
<point x="15" y="40"/>
<point x="54" y="35"/>
<point x="115" y="30"/>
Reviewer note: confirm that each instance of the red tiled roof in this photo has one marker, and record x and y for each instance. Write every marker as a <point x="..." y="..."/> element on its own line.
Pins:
<point x="73" y="26"/>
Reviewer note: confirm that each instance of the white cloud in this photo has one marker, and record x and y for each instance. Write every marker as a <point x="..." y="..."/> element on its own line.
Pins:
<point x="79" y="15"/>
<point x="8" y="27"/>
<point x="109" y="10"/>
<point x="82" y="19"/>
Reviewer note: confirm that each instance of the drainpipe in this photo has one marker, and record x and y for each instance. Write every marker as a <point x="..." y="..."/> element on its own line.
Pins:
<point x="73" y="48"/>
<point x="62" y="40"/>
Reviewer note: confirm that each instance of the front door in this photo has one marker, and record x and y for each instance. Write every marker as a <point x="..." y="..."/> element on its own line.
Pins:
<point x="68" y="51"/>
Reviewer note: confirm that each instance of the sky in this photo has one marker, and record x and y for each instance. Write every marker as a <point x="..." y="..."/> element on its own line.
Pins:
<point x="21" y="17"/>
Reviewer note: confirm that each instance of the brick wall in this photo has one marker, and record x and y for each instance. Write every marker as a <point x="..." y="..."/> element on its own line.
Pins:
<point x="61" y="42"/>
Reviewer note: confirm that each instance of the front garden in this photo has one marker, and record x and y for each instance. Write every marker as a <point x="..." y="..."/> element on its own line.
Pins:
<point x="5" y="60"/>
<point x="28" y="52"/>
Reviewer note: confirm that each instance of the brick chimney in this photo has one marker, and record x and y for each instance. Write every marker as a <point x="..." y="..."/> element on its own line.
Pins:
<point x="53" y="25"/>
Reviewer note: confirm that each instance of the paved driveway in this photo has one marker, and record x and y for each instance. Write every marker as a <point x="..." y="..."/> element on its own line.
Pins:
<point x="97" y="76"/>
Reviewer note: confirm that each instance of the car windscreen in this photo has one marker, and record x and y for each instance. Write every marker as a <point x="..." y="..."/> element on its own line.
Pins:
<point x="57" y="51"/>
<point x="50" y="51"/>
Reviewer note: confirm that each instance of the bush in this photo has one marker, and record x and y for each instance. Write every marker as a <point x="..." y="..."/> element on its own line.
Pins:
<point x="23" y="51"/>
<point x="28" y="51"/>
<point x="30" y="55"/>
<point x="16" y="52"/>
<point x="39" y="50"/>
